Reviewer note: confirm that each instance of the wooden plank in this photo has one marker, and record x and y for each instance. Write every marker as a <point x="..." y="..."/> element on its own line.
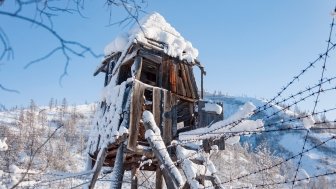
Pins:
<point x="165" y="72"/>
<point x="174" y="115"/>
<point x="180" y="85"/>
<point x="167" y="118"/>
<point x="172" y="77"/>
<point x="185" y="81"/>
<point x="134" y="178"/>
<point x="157" y="105"/>
<point x="160" y="76"/>
<point x="188" y="81"/>
<point x="158" y="179"/>
<point x="192" y="82"/>
<point x="97" y="167"/>
<point x="137" y="102"/>
<point x="150" y="56"/>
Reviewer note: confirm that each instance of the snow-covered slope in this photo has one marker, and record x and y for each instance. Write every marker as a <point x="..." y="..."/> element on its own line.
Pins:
<point x="68" y="150"/>
<point x="319" y="160"/>
<point x="41" y="144"/>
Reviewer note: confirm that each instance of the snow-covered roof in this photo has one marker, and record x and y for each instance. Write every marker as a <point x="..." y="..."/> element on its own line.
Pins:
<point x="155" y="27"/>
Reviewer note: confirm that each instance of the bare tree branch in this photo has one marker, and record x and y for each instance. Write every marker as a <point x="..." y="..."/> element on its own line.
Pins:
<point x="9" y="90"/>
<point x="46" y="10"/>
<point x="133" y="8"/>
<point x="7" y="49"/>
<point x="33" y="154"/>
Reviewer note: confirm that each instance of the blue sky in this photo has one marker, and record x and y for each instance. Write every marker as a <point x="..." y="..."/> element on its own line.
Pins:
<point x="248" y="48"/>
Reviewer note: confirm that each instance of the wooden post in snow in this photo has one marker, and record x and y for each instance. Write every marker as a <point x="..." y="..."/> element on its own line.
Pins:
<point x="169" y="171"/>
<point x="134" y="178"/>
<point x="118" y="169"/>
<point x="98" y="165"/>
<point x="158" y="179"/>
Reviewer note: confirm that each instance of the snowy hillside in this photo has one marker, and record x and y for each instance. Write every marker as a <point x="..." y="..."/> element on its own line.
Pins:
<point x="43" y="143"/>
<point x="284" y="143"/>
<point x="60" y="162"/>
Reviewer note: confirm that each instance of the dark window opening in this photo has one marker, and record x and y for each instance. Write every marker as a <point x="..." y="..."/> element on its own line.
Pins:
<point x="125" y="72"/>
<point x="185" y="112"/>
<point x="149" y="73"/>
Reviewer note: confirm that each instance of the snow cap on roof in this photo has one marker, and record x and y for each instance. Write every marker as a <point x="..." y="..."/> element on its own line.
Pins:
<point x="155" y="27"/>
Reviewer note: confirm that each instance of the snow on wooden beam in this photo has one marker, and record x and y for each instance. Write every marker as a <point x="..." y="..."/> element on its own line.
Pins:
<point x="236" y="123"/>
<point x="187" y="166"/>
<point x="118" y="169"/>
<point x="170" y="173"/>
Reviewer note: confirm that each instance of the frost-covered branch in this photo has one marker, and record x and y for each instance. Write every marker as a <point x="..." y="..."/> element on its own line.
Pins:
<point x="32" y="157"/>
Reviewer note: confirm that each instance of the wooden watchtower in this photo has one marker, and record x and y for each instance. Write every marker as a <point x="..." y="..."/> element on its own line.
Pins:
<point x="147" y="78"/>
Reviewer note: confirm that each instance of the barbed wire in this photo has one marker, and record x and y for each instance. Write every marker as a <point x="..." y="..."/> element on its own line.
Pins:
<point x="314" y="91"/>
<point x="282" y="110"/>
<point x="290" y="181"/>
<point x="270" y="104"/>
<point x="317" y="96"/>
<point x="259" y="130"/>
<point x="281" y="162"/>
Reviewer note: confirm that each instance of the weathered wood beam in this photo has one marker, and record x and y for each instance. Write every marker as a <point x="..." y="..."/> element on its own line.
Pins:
<point x="172" y="76"/>
<point x="134" y="178"/>
<point x="193" y="81"/>
<point x="118" y="169"/>
<point x="142" y="150"/>
<point x="157" y="104"/>
<point x="186" y="81"/>
<point x="167" y="118"/>
<point x="137" y="102"/>
<point x="169" y="171"/>
<point x="97" y="168"/>
<point x="158" y="179"/>
<point x="150" y="56"/>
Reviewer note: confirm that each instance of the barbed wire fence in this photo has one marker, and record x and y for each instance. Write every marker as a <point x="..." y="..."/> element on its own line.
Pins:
<point x="325" y="85"/>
